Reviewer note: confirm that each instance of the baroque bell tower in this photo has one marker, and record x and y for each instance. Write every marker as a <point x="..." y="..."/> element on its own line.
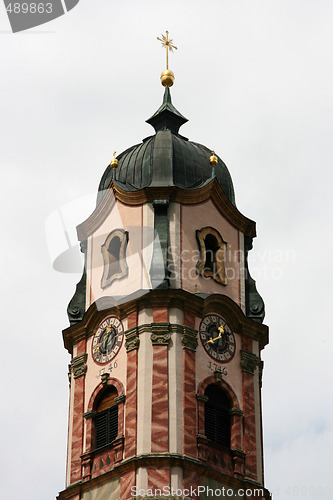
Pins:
<point x="165" y="330"/>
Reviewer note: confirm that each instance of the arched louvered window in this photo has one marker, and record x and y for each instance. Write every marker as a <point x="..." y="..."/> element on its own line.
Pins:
<point x="217" y="416"/>
<point x="106" y="419"/>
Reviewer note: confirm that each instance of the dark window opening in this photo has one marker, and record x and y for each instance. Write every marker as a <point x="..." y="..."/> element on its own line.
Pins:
<point x="212" y="247"/>
<point x="114" y="256"/>
<point x="212" y="252"/>
<point x="106" y="420"/>
<point x="217" y="416"/>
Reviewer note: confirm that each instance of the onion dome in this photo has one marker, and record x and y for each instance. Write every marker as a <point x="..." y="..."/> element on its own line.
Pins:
<point x="166" y="159"/>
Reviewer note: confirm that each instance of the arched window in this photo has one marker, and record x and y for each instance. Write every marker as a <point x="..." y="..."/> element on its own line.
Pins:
<point x="114" y="257"/>
<point x="106" y="419"/>
<point x="217" y="416"/>
<point x="212" y="252"/>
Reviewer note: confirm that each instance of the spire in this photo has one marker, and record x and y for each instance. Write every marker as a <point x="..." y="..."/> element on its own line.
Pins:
<point x="167" y="76"/>
<point x="167" y="117"/>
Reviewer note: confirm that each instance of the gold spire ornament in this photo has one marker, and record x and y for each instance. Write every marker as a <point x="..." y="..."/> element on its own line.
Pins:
<point x="213" y="159"/>
<point x="167" y="76"/>
<point x="114" y="161"/>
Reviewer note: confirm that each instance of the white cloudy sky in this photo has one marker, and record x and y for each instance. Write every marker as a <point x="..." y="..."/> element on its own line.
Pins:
<point x="254" y="79"/>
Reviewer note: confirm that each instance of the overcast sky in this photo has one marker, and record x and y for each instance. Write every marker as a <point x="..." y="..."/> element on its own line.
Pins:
<point x="255" y="81"/>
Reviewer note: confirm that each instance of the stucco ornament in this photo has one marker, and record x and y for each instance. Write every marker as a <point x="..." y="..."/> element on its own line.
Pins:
<point x="190" y="338"/>
<point x="79" y="365"/>
<point x="249" y="361"/>
<point x="132" y="339"/>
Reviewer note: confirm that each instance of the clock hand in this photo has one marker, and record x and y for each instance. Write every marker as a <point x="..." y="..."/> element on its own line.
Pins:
<point x="102" y="341"/>
<point x="212" y="340"/>
<point x="221" y="330"/>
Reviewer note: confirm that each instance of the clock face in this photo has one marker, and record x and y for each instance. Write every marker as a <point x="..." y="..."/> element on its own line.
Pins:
<point x="107" y="340"/>
<point x="217" y="338"/>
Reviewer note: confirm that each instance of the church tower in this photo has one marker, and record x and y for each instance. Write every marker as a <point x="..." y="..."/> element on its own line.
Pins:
<point x="165" y="330"/>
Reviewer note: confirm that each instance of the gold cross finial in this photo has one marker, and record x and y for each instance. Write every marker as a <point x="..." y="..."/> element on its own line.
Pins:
<point x="168" y="45"/>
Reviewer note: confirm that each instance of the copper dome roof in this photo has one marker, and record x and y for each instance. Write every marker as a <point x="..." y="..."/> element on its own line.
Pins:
<point x="166" y="159"/>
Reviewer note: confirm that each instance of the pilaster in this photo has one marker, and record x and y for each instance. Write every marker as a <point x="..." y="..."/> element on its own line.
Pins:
<point x="160" y="338"/>
<point x="79" y="369"/>
<point x="131" y="388"/>
<point x="249" y="362"/>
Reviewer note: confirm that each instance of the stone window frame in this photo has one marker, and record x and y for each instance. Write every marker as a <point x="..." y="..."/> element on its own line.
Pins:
<point x="236" y="434"/>
<point x="219" y="276"/>
<point x="91" y="411"/>
<point x="108" y="279"/>
<point x="109" y="414"/>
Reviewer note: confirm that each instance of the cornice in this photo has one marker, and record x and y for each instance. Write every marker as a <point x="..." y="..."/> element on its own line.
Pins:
<point x="212" y="191"/>
<point x="90" y="225"/>
<point x="170" y="298"/>
<point x="161" y="335"/>
<point x="156" y="460"/>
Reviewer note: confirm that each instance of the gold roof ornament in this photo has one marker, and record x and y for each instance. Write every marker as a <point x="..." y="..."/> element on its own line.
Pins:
<point x="167" y="76"/>
<point x="114" y="161"/>
<point x="213" y="159"/>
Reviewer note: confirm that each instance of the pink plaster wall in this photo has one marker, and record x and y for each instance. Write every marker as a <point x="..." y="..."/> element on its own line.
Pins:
<point x="128" y="218"/>
<point x="116" y="368"/>
<point x="195" y="217"/>
<point x="205" y="365"/>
